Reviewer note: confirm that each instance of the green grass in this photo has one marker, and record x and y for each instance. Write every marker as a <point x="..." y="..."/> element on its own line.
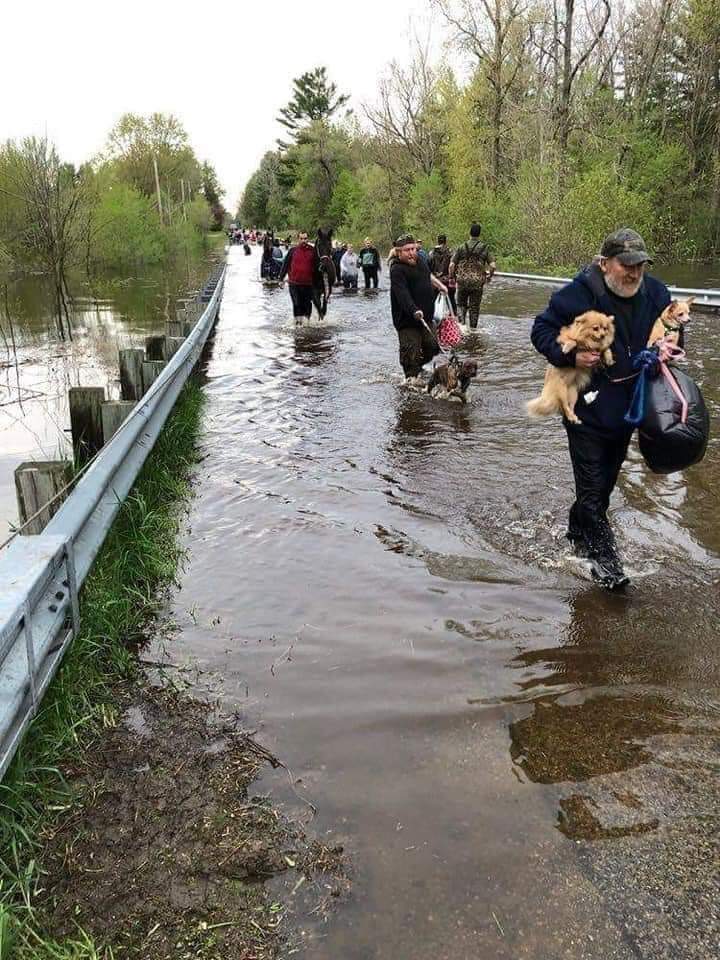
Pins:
<point x="118" y="601"/>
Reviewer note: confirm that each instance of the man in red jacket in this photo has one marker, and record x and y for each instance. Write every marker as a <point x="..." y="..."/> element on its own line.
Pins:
<point x="302" y="267"/>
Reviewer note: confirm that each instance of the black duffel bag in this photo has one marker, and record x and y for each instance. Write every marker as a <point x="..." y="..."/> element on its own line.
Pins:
<point x="667" y="442"/>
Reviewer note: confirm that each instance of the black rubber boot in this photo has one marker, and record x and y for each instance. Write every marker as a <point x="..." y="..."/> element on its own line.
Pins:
<point x="605" y="563"/>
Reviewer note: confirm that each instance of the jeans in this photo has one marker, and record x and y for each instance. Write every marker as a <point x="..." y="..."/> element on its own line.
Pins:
<point x="370" y="273"/>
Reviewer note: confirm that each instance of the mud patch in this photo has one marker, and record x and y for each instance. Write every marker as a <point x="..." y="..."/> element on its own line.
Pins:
<point x="166" y="852"/>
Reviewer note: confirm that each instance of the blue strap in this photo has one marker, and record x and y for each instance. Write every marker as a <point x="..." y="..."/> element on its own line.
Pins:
<point x="645" y="363"/>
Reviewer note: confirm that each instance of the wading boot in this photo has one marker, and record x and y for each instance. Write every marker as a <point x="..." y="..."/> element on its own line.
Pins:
<point x="605" y="563"/>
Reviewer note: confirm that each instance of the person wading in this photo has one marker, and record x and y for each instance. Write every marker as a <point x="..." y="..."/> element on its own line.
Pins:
<point x="616" y="285"/>
<point x="349" y="268"/>
<point x="369" y="257"/>
<point x="412" y="301"/>
<point x="302" y="268"/>
<point x="440" y="257"/>
<point x="472" y="267"/>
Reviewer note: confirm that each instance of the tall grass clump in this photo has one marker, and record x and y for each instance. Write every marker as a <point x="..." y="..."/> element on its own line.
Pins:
<point x="140" y="556"/>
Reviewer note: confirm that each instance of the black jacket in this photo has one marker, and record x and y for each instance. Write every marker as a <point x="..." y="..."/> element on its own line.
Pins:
<point x="588" y="292"/>
<point x="440" y="257"/>
<point x="375" y="255"/>
<point x="411" y="290"/>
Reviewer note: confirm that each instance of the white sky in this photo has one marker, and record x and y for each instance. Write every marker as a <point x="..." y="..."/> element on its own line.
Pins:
<point x="71" y="69"/>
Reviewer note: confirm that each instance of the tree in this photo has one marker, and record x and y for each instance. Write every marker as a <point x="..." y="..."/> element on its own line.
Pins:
<point x="314" y="98"/>
<point x="495" y="33"/>
<point x="137" y="145"/>
<point x="211" y="192"/>
<point x="53" y="196"/>
<point x="408" y="121"/>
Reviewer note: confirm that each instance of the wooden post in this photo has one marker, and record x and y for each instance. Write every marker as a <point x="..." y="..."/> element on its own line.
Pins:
<point x="174" y="328"/>
<point x="36" y="483"/>
<point x="150" y="372"/>
<point x="172" y="345"/>
<point x="155" y="348"/>
<point x="131" y="362"/>
<point x="113" y="413"/>
<point x="86" y="420"/>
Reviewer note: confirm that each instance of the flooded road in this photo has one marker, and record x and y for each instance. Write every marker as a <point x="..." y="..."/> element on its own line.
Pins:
<point x="520" y="764"/>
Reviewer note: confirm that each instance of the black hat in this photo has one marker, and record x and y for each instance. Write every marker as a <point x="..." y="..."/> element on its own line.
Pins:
<point x="403" y="239"/>
<point x="627" y="245"/>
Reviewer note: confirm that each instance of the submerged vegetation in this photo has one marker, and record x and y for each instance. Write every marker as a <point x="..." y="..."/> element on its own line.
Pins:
<point x="572" y="121"/>
<point x="146" y="199"/>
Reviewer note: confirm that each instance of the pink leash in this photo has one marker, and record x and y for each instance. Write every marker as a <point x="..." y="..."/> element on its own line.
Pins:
<point x="667" y="352"/>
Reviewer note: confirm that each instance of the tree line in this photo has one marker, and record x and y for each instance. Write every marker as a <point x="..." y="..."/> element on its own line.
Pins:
<point x="574" y="119"/>
<point x="145" y="198"/>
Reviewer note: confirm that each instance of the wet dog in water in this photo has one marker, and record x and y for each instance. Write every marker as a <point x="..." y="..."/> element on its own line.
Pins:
<point x="590" y="331"/>
<point x="453" y="377"/>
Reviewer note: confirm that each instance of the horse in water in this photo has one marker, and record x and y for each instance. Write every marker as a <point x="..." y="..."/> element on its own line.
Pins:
<point x="327" y="274"/>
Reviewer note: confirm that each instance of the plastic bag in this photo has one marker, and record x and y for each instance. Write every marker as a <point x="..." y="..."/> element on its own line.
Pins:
<point x="442" y="308"/>
<point x="675" y="428"/>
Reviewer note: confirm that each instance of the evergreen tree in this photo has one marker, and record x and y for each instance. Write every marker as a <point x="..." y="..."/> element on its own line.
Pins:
<point x="314" y="98"/>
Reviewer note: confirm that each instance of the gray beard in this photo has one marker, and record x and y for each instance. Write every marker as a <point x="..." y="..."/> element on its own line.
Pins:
<point x="622" y="289"/>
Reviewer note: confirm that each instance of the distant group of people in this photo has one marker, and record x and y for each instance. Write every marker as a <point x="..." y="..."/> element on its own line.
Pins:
<point x="348" y="264"/>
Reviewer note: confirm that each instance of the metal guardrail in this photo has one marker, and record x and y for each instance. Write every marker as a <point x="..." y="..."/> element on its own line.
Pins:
<point x="704" y="298"/>
<point x="40" y="575"/>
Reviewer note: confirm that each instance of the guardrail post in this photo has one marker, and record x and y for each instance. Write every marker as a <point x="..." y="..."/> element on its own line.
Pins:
<point x="150" y="372"/>
<point x="174" y="328"/>
<point x="155" y="348"/>
<point x="113" y="413"/>
<point x="86" y="420"/>
<point x="172" y="345"/>
<point x="131" y="362"/>
<point x="37" y="483"/>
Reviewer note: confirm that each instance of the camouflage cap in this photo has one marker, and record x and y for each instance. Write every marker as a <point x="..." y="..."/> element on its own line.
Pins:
<point x="627" y="245"/>
<point x="404" y="239"/>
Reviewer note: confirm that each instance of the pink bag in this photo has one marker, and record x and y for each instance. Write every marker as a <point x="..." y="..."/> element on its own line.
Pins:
<point x="449" y="333"/>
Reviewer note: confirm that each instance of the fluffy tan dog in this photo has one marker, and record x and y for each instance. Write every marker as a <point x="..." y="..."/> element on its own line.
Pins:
<point x="668" y="324"/>
<point x="590" y="331"/>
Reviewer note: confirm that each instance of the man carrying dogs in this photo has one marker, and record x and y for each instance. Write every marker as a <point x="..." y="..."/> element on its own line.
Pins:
<point x="615" y="284"/>
<point x="412" y="300"/>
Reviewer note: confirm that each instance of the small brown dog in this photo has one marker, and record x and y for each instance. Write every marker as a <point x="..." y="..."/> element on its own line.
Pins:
<point x="454" y="377"/>
<point x="590" y="331"/>
<point x="668" y="324"/>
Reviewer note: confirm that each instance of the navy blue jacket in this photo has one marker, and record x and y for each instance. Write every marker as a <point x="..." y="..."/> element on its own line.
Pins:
<point x="588" y="292"/>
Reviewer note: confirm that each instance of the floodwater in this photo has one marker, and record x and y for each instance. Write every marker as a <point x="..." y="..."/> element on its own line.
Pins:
<point x="37" y="369"/>
<point x="520" y="764"/>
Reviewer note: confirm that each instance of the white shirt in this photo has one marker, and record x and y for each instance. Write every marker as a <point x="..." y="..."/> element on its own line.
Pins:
<point x="348" y="264"/>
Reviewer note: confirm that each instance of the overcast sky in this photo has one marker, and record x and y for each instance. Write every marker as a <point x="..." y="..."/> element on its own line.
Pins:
<point x="71" y="69"/>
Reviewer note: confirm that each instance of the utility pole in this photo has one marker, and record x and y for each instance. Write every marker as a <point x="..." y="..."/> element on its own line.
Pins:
<point x="157" y="187"/>
<point x="182" y="191"/>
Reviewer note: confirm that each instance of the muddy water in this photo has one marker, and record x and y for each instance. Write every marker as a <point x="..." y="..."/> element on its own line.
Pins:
<point x="521" y="765"/>
<point x="107" y="314"/>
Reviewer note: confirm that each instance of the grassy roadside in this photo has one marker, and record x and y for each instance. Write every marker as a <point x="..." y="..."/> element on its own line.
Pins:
<point x="140" y="556"/>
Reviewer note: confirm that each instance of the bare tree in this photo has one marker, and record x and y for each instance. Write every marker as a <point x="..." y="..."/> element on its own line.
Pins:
<point x="405" y="121"/>
<point x="571" y="66"/>
<point x="495" y="33"/>
<point x="53" y="197"/>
